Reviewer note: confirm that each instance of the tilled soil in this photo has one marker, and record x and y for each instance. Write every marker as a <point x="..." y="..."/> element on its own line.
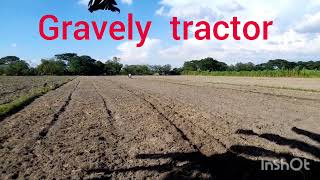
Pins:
<point x="13" y="87"/>
<point x="161" y="128"/>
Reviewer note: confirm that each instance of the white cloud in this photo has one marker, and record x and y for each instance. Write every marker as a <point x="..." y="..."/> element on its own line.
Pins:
<point x="160" y="11"/>
<point x="253" y="9"/>
<point x="288" y="45"/>
<point x="126" y="1"/>
<point x="185" y="9"/>
<point x="286" y="38"/>
<point x="231" y="6"/>
<point x="130" y="54"/>
<point x="309" y="24"/>
<point x="291" y="45"/>
<point x="295" y="34"/>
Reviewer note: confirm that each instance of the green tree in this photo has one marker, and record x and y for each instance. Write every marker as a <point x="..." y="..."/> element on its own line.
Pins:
<point x="51" y="67"/>
<point x="113" y="67"/>
<point x="161" y="70"/>
<point x="3" y="69"/>
<point x="207" y="64"/>
<point x="166" y="69"/>
<point x="99" y="68"/>
<point x="190" y="66"/>
<point x="82" y="65"/>
<point x="279" y="64"/>
<point x="311" y="65"/>
<point x="33" y="71"/>
<point x="66" y="56"/>
<point x="17" y="68"/>
<point x="176" y="71"/>
<point x="9" y="60"/>
<point x="210" y="64"/>
<point x="137" y="70"/>
<point x="244" y="66"/>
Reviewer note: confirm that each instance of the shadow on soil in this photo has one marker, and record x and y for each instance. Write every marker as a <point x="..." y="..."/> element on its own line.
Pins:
<point x="231" y="165"/>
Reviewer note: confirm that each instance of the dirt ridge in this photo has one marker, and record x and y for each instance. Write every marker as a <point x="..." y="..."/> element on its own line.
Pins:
<point x="43" y="133"/>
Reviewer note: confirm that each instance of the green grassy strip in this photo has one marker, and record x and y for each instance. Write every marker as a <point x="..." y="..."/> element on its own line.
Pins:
<point x="17" y="104"/>
<point x="265" y="73"/>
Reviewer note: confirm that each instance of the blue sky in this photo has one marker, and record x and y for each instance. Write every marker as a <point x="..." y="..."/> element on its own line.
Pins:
<point x="294" y="36"/>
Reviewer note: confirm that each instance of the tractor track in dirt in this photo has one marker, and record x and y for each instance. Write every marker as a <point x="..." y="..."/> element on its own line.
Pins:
<point x="109" y="112"/>
<point x="171" y="120"/>
<point x="43" y="133"/>
<point x="182" y="134"/>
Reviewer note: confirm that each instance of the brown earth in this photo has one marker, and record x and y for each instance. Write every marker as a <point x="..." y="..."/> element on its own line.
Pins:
<point x="13" y="87"/>
<point x="164" y="128"/>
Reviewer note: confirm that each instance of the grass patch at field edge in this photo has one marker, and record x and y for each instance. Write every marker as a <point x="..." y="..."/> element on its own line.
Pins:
<point x="19" y="103"/>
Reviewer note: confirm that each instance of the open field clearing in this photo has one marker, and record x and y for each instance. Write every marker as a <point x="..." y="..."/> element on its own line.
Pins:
<point x="164" y="128"/>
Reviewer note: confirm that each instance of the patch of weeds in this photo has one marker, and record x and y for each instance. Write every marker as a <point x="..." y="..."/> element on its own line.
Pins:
<point x="19" y="103"/>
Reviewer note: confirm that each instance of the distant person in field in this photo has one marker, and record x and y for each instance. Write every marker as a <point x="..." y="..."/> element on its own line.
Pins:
<point x="110" y="5"/>
<point x="130" y="76"/>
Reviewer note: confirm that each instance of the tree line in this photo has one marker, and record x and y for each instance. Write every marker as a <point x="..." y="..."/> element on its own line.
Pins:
<point x="210" y="64"/>
<point x="73" y="64"/>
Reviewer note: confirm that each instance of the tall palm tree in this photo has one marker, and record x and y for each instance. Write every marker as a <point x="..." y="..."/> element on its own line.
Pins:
<point x="95" y="5"/>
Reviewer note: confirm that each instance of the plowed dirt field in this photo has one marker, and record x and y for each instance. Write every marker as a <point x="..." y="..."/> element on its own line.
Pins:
<point x="164" y="128"/>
